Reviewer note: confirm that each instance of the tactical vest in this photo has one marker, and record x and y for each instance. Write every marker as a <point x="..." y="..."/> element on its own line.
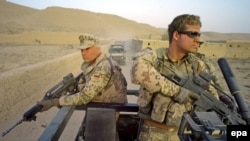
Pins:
<point x="162" y="108"/>
<point x="115" y="90"/>
<point x="172" y="113"/>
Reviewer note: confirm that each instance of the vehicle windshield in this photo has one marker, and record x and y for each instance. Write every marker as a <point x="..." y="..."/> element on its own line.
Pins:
<point x="116" y="49"/>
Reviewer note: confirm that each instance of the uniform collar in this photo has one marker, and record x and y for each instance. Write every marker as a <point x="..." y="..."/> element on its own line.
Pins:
<point x="174" y="61"/>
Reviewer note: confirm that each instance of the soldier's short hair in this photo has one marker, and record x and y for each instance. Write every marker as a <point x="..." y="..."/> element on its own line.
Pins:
<point x="179" y="23"/>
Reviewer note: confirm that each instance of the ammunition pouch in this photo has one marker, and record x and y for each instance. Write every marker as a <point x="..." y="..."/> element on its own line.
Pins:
<point x="167" y="110"/>
<point x="160" y="106"/>
<point x="174" y="114"/>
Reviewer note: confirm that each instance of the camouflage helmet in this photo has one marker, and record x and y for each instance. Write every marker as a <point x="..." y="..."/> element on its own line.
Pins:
<point x="87" y="40"/>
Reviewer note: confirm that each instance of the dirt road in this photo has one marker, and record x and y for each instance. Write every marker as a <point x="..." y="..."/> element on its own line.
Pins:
<point x="32" y="130"/>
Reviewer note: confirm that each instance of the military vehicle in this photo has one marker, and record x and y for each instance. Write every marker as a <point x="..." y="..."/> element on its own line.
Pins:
<point x="117" y="52"/>
<point x="209" y="115"/>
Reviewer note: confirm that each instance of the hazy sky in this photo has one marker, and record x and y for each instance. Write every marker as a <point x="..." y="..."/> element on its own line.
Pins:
<point x="227" y="16"/>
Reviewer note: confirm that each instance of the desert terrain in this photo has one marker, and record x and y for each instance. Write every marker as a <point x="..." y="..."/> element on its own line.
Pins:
<point x="33" y="130"/>
<point x="39" y="47"/>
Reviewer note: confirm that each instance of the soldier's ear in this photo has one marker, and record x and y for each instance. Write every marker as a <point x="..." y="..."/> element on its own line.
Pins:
<point x="176" y="35"/>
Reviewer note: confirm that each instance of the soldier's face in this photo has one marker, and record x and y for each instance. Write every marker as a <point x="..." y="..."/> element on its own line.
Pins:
<point x="90" y="54"/>
<point x="189" y="40"/>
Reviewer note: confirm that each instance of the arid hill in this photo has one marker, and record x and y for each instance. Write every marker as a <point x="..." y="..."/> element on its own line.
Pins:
<point x="28" y="72"/>
<point x="16" y="19"/>
<point x="56" y="19"/>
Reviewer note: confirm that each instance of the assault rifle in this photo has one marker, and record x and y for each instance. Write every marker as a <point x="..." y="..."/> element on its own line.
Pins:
<point x="67" y="86"/>
<point x="210" y="114"/>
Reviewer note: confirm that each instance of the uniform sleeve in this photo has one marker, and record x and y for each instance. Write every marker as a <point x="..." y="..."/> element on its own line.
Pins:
<point x="143" y="73"/>
<point x="93" y="87"/>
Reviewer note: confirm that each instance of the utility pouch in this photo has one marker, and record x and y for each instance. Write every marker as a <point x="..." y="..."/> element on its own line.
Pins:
<point x="174" y="114"/>
<point x="160" y="107"/>
<point x="144" y="98"/>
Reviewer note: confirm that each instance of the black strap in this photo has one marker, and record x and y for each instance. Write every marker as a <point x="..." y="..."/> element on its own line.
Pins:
<point x="111" y="65"/>
<point x="112" y="69"/>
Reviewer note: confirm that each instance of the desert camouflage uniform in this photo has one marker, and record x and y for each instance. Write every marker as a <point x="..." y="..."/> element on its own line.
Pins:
<point x="99" y="85"/>
<point x="156" y="100"/>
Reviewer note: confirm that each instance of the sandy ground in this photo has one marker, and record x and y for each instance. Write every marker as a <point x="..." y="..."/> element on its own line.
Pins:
<point x="13" y="57"/>
<point x="17" y="56"/>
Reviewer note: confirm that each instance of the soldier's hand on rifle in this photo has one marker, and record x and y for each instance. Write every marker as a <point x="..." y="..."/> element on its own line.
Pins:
<point x="47" y="104"/>
<point x="185" y="96"/>
<point x="226" y="100"/>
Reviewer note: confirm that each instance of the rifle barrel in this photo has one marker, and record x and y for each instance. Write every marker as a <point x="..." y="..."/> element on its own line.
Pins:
<point x="8" y="130"/>
<point x="234" y="88"/>
<point x="31" y="113"/>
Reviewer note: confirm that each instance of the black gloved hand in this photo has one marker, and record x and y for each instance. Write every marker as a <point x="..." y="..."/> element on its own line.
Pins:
<point x="47" y="104"/>
<point x="226" y="100"/>
<point x="185" y="96"/>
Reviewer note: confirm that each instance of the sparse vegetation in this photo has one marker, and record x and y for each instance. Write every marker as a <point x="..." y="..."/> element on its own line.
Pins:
<point x="164" y="36"/>
<point x="37" y="41"/>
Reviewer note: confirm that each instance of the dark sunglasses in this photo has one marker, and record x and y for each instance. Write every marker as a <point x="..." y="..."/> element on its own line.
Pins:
<point x="191" y="34"/>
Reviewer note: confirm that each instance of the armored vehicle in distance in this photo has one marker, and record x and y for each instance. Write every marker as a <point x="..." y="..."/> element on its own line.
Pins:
<point x="117" y="52"/>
